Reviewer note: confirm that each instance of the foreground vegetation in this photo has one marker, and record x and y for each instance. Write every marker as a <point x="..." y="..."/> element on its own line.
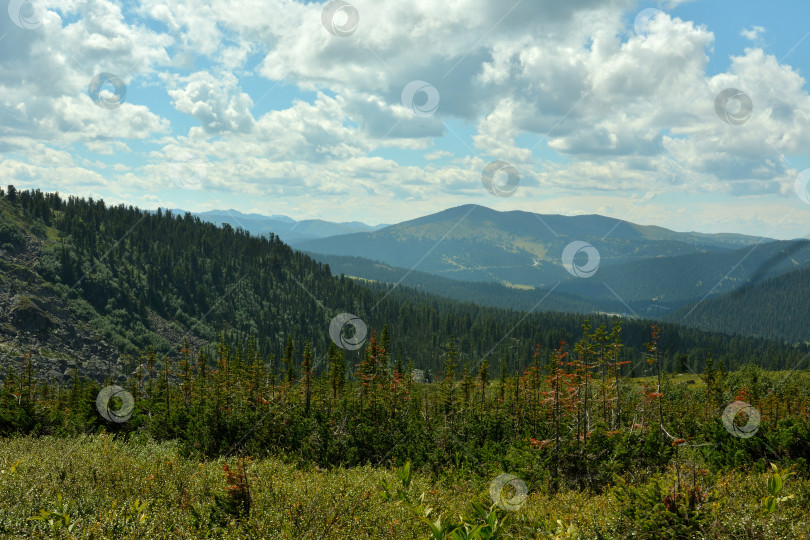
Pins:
<point x="570" y="419"/>
<point x="228" y="448"/>
<point x="102" y="487"/>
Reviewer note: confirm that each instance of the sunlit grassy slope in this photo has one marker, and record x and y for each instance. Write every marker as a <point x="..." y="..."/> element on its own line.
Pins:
<point x="105" y="488"/>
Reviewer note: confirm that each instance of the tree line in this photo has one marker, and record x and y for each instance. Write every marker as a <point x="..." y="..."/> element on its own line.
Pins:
<point x="569" y="418"/>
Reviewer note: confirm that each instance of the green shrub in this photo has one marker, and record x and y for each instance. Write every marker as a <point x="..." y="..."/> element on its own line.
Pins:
<point x="656" y="510"/>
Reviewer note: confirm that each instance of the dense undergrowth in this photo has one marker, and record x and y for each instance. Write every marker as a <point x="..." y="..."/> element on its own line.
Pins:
<point x="225" y="448"/>
<point x="103" y="487"/>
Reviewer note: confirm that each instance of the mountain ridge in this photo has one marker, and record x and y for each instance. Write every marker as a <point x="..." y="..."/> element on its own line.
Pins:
<point x="606" y="222"/>
<point x="475" y="243"/>
<point x="286" y="228"/>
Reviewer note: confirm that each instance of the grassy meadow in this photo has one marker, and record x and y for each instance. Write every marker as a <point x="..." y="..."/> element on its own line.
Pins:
<point x="100" y="487"/>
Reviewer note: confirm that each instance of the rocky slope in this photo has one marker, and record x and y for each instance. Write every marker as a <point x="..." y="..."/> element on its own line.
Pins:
<point x="37" y="324"/>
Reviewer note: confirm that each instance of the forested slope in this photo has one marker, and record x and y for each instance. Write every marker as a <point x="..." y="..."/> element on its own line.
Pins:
<point x="777" y="307"/>
<point x="145" y="280"/>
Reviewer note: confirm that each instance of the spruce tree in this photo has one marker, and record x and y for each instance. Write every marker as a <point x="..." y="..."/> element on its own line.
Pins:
<point x="336" y="362"/>
<point x="483" y="377"/>
<point x="289" y="350"/>
<point x="448" y="383"/>
<point x="306" y="374"/>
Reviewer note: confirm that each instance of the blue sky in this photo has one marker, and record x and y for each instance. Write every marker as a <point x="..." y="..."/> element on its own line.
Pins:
<point x="282" y="107"/>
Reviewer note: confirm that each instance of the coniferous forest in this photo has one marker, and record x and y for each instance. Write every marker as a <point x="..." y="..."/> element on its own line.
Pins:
<point x="231" y="410"/>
